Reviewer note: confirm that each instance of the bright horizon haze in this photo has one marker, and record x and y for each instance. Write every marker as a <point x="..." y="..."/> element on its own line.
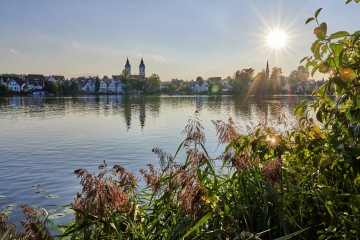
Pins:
<point x="177" y="39"/>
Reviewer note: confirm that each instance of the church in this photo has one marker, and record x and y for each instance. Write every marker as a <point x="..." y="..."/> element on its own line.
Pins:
<point x="141" y="69"/>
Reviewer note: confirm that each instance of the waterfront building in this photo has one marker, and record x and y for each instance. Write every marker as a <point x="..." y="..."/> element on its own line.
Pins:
<point x="56" y="78"/>
<point x="141" y="69"/>
<point x="127" y="67"/>
<point x="16" y="85"/>
<point x="118" y="84"/>
<point x="35" y="81"/>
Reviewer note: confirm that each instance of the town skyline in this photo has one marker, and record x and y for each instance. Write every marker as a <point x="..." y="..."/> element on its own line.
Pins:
<point x="178" y="39"/>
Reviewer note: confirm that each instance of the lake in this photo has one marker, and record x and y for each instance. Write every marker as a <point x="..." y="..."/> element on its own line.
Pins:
<point x="43" y="140"/>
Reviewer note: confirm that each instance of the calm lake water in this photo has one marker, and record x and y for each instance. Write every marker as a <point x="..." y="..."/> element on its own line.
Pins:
<point x="43" y="140"/>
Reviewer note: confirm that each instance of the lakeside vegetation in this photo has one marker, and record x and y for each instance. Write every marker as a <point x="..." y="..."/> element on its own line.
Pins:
<point x="302" y="183"/>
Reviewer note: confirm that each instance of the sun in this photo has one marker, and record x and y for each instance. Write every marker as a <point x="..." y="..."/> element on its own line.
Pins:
<point x="277" y="39"/>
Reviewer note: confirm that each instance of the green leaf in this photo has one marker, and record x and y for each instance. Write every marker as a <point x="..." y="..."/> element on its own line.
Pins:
<point x="291" y="235"/>
<point x="356" y="115"/>
<point x="345" y="42"/>
<point x="336" y="48"/>
<point x="339" y="82"/>
<point x="339" y="34"/>
<point x="298" y="110"/>
<point x="198" y="224"/>
<point x="341" y="100"/>
<point x="317" y="12"/>
<point x="324" y="67"/>
<point x="309" y="64"/>
<point x="328" y="208"/>
<point x="317" y="51"/>
<point x="314" y="45"/>
<point x="314" y="70"/>
<point x="319" y="116"/>
<point x="341" y="58"/>
<point x="309" y="20"/>
<point x="3" y="237"/>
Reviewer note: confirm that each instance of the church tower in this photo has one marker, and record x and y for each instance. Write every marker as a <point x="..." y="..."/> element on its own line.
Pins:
<point x="142" y="69"/>
<point x="128" y="67"/>
<point x="267" y="70"/>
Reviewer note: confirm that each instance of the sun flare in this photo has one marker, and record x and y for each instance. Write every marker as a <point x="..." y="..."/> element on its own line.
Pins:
<point x="277" y="39"/>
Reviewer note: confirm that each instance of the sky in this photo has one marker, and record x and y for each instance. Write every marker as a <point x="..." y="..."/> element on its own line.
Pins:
<point x="180" y="39"/>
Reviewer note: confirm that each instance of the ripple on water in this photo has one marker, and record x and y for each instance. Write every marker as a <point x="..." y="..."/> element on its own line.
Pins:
<point x="45" y="139"/>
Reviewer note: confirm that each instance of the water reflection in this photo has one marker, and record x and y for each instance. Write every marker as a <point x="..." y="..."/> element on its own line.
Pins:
<point x="45" y="139"/>
<point x="140" y="106"/>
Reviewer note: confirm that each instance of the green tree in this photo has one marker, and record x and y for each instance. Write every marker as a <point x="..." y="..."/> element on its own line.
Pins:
<point x="73" y="88"/>
<point x="240" y="82"/>
<point x="199" y="79"/>
<point x="152" y="84"/>
<point x="186" y="89"/>
<point x="170" y="88"/>
<point x="276" y="81"/>
<point x="51" y="87"/>
<point x="124" y="73"/>
<point x="301" y="74"/>
<point x="260" y="84"/>
<point x="4" y="89"/>
<point x="127" y="88"/>
<point x="97" y="85"/>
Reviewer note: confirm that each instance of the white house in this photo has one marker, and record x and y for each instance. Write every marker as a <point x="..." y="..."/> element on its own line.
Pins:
<point x="55" y="78"/>
<point x="89" y="87"/>
<point x="195" y="87"/>
<point x="119" y="87"/>
<point x="52" y="79"/>
<point x="111" y="87"/>
<point x="103" y="86"/>
<point x="204" y="87"/>
<point x="226" y="85"/>
<point x="110" y="84"/>
<point x="35" y="81"/>
<point x="15" y="86"/>
<point x="116" y="79"/>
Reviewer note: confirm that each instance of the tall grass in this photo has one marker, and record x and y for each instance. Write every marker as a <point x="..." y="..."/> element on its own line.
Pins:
<point x="270" y="185"/>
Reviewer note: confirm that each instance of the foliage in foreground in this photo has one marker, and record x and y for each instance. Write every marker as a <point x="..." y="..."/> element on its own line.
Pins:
<point x="302" y="183"/>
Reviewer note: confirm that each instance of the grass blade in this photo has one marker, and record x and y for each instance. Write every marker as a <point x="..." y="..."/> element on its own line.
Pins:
<point x="198" y="224"/>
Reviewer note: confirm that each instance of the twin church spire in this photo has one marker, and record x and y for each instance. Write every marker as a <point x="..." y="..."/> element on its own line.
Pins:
<point x="141" y="68"/>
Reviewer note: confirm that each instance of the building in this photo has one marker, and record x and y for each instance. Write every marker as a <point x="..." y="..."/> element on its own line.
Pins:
<point x="35" y="81"/>
<point x="15" y="84"/>
<point x="141" y="69"/>
<point x="118" y="84"/>
<point x="127" y="67"/>
<point x="56" y="78"/>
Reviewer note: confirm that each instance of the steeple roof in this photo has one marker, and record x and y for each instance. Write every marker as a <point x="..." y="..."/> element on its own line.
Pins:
<point x="142" y="62"/>
<point x="127" y="63"/>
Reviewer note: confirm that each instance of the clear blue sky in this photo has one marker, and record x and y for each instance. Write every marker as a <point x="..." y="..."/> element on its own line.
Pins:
<point x="177" y="38"/>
